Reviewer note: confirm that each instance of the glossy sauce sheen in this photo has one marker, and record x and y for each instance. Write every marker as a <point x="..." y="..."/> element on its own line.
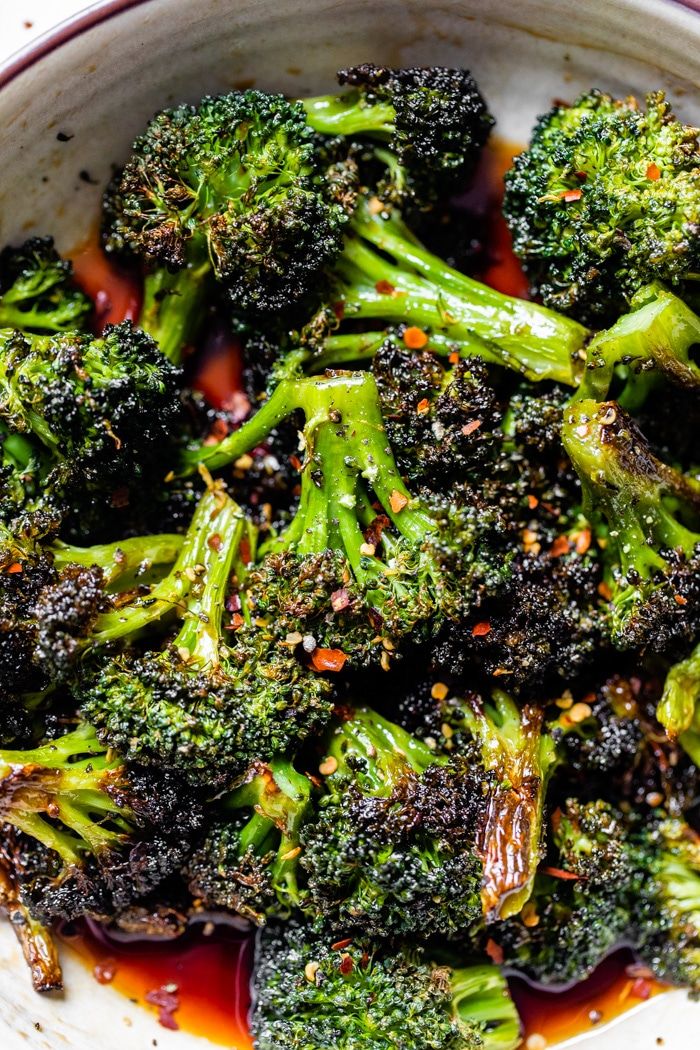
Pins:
<point x="212" y="973"/>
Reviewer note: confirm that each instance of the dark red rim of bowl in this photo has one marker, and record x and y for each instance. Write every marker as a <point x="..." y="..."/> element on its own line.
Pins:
<point x="94" y="16"/>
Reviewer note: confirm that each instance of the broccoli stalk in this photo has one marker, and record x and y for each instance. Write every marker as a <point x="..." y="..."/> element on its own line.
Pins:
<point x="519" y="758"/>
<point x="248" y="863"/>
<point x="37" y="293"/>
<point x="230" y="190"/>
<point x="35" y="940"/>
<point x="390" y="849"/>
<point x="428" y="126"/>
<point x="650" y="509"/>
<point x="310" y="993"/>
<point x="129" y="558"/>
<point x="679" y="710"/>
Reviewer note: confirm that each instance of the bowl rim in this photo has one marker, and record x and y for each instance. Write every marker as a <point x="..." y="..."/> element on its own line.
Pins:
<point x="103" y="10"/>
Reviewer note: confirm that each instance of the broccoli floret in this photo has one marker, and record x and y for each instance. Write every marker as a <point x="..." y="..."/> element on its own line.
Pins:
<point x="105" y="835"/>
<point x="605" y="200"/>
<point x="311" y="994"/>
<point x="201" y="706"/>
<point x="248" y="862"/>
<point x="372" y="570"/>
<point x="651" y="513"/>
<point x="430" y="125"/>
<point x="83" y="422"/>
<point x="37" y="293"/>
<point x="229" y="189"/>
<point x="390" y="849"/>
<point x="35" y="940"/>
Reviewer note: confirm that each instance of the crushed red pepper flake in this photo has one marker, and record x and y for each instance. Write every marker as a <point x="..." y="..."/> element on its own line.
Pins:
<point x="339" y="310"/>
<point x="244" y="550"/>
<point x="560" y="873"/>
<point x="481" y="629"/>
<point x="339" y="945"/>
<point x="340" y="599"/>
<point x="415" y="338"/>
<point x="582" y="540"/>
<point x="680" y="600"/>
<point x="13" y="569"/>
<point x="641" y="988"/>
<point x="604" y="590"/>
<point x="384" y="288"/>
<point x="494" y="951"/>
<point x="236" y="622"/>
<point x="373" y="532"/>
<point x="423" y="406"/>
<point x="214" y="542"/>
<point x="532" y="501"/>
<point x="559" y="547"/>
<point x="295" y="462"/>
<point x="453" y="357"/>
<point x="653" y="172"/>
<point x="397" y="501"/>
<point x="568" y="196"/>
<point x="469" y="428"/>
<point x="105" y="971"/>
<point x="328" y="659"/>
<point x="167" y="1000"/>
<point x="346" y="965"/>
<point x="219" y="429"/>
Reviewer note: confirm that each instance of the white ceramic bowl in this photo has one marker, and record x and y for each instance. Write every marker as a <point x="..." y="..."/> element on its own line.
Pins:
<point x="101" y="75"/>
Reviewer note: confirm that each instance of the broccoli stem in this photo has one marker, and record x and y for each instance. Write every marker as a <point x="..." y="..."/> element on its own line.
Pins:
<point x="121" y="558"/>
<point x="480" y="997"/>
<point x="387" y="751"/>
<point x="173" y="307"/>
<point x="522" y="758"/>
<point x="35" y="940"/>
<point x="345" y="115"/>
<point x="677" y="707"/>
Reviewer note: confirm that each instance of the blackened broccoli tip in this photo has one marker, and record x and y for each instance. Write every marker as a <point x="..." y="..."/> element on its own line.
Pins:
<point x="206" y="704"/>
<point x="37" y="292"/>
<point x="649" y="509"/>
<point x="605" y="200"/>
<point x="311" y="991"/>
<point x="390" y="848"/>
<point x="248" y="862"/>
<point x="434" y="122"/>
<point x="82" y="417"/>
<point x="102" y="834"/>
<point x="230" y="187"/>
<point x="34" y="938"/>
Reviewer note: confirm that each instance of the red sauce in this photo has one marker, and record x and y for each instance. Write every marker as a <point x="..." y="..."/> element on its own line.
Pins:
<point x="212" y="973"/>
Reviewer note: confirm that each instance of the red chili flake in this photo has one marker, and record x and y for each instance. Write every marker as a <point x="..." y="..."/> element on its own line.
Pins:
<point x="236" y="622"/>
<point x="604" y="590"/>
<point x="494" y="952"/>
<point x="581" y="175"/>
<point x="653" y="172"/>
<point x="214" y="542"/>
<point x="328" y="659"/>
<point x="582" y="540"/>
<point x="168" y="1001"/>
<point x="340" y="600"/>
<point x="397" y="501"/>
<point x="559" y="547"/>
<point x="481" y="629"/>
<point x="385" y="288"/>
<point x="233" y="603"/>
<point x="244" y="550"/>
<point x="13" y="569"/>
<point x="568" y="196"/>
<point x="641" y="988"/>
<point x="453" y="357"/>
<point x="105" y="971"/>
<point x="120" y="497"/>
<point x="219" y="430"/>
<point x="560" y="873"/>
<point x="469" y="428"/>
<point x="296" y="462"/>
<point x="346" y="965"/>
<point x="339" y="309"/>
<point x="532" y="502"/>
<point x="364" y="961"/>
<point x="339" y="945"/>
<point x="638" y="969"/>
<point x="423" y="406"/>
<point x="415" y="338"/>
<point x="678" y="598"/>
<point x="373" y="532"/>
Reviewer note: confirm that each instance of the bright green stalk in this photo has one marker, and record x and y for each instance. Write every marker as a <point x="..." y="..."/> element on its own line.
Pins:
<point x="173" y="307"/>
<point x="123" y="557"/>
<point x="480" y="998"/>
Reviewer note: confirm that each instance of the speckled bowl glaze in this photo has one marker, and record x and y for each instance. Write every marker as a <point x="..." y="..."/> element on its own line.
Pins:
<point x="100" y="76"/>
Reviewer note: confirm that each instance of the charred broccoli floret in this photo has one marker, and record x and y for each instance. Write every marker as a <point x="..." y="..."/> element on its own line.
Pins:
<point x="37" y="293"/>
<point x="248" y="862"/>
<point x="651" y="513"/>
<point x="311" y="994"/>
<point x="390" y="849"/>
<point x="229" y="189"/>
<point x="429" y="124"/>
<point x="202" y="706"/>
<point x="106" y="835"/>
<point x="605" y="200"/>
<point x="83" y="421"/>
<point x="35" y="939"/>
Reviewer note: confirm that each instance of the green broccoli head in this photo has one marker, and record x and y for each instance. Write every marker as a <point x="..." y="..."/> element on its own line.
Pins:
<point x="433" y="120"/>
<point x="248" y="862"/>
<point x="390" y="849"/>
<point x="651" y="513"/>
<point x="605" y="200"/>
<point x="83" y="421"/>
<point x="95" y="835"/>
<point x="232" y="184"/>
<point x="37" y="293"/>
<point x="313" y="994"/>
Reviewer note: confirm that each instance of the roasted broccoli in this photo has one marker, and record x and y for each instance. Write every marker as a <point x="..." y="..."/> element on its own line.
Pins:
<point x="313" y="994"/>
<point x="605" y="200"/>
<point x="248" y="862"/>
<point x="679" y="707"/>
<point x="650" y="512"/>
<point x="229" y="189"/>
<point x="35" y="939"/>
<point x="37" y="293"/>
<point x="97" y="835"/>
<point x="84" y="423"/>
<point x="429" y="126"/>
